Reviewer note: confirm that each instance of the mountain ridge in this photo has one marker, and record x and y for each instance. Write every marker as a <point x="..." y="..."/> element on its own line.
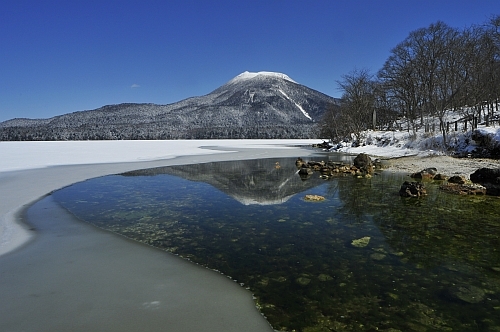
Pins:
<point x="251" y="105"/>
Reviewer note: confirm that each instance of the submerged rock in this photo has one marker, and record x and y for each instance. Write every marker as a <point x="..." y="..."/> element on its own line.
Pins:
<point x="314" y="198"/>
<point x="303" y="281"/>
<point x="464" y="189"/>
<point x="304" y="170"/>
<point x="325" y="277"/>
<point x="361" y="243"/>
<point x="412" y="189"/>
<point x="467" y="293"/>
<point x="378" y="256"/>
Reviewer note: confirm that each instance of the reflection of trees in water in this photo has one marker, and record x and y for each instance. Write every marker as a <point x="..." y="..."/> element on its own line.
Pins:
<point x="362" y="197"/>
<point x="430" y="230"/>
<point x="443" y="229"/>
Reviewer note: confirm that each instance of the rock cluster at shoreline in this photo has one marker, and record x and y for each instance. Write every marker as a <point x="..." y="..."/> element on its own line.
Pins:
<point x="456" y="184"/>
<point x="362" y="166"/>
<point x="483" y="180"/>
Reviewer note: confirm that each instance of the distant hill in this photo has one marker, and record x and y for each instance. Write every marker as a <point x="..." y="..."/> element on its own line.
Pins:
<point x="251" y="105"/>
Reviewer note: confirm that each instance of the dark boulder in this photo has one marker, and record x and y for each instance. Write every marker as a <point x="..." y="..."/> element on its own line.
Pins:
<point x="305" y="172"/>
<point x="324" y="145"/>
<point x="412" y="189"/>
<point x="486" y="175"/>
<point x="440" y="177"/>
<point x="486" y="145"/>
<point x="457" y="179"/>
<point x="363" y="162"/>
<point x="489" y="178"/>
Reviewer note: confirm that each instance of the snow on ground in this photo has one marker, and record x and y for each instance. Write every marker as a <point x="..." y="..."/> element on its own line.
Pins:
<point x="29" y="155"/>
<point x="391" y="144"/>
<point x="494" y="132"/>
<point x="406" y="143"/>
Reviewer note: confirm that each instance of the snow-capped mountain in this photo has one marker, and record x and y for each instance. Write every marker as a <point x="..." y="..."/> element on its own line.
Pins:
<point x="251" y="105"/>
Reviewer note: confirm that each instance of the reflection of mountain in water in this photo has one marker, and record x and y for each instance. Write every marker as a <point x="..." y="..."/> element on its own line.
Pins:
<point x="263" y="182"/>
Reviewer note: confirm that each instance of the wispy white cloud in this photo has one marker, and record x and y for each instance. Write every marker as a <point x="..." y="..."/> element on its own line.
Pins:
<point x="134" y="86"/>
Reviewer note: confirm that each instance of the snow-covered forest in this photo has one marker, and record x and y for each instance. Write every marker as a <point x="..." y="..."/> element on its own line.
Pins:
<point x="438" y="82"/>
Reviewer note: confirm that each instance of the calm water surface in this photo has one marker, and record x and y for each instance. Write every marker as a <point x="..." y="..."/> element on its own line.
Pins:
<point x="430" y="264"/>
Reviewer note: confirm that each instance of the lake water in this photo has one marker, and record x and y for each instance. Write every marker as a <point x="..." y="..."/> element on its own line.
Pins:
<point x="362" y="260"/>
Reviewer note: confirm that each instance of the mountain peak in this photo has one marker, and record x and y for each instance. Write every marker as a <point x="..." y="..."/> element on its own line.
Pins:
<point x="250" y="75"/>
<point x="251" y="105"/>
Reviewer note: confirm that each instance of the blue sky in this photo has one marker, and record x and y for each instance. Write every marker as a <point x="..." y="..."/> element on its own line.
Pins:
<point x="63" y="56"/>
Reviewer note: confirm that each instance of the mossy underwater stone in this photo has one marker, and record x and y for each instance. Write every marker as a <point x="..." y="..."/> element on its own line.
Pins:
<point x="393" y="296"/>
<point x="412" y="189"/>
<point x="361" y="243"/>
<point x="303" y="281"/>
<point x="314" y="198"/>
<point x="463" y="189"/>
<point x="378" y="256"/>
<point x="467" y="293"/>
<point x="324" y="277"/>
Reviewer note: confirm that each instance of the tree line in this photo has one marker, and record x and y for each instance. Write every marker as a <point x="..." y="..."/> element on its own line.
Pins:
<point x="155" y="131"/>
<point x="433" y="71"/>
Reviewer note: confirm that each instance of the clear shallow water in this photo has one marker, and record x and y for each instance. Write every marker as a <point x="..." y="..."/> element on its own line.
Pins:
<point x="430" y="264"/>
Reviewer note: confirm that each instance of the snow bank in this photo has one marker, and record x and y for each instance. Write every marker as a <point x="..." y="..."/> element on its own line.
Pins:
<point x="404" y="143"/>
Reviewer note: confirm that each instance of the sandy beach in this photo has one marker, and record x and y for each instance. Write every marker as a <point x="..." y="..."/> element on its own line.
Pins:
<point x="62" y="274"/>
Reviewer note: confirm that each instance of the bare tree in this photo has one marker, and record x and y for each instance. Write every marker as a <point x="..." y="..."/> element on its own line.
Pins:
<point x="428" y="73"/>
<point x="401" y="83"/>
<point x="358" y="102"/>
<point x="492" y="40"/>
<point x="330" y="127"/>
